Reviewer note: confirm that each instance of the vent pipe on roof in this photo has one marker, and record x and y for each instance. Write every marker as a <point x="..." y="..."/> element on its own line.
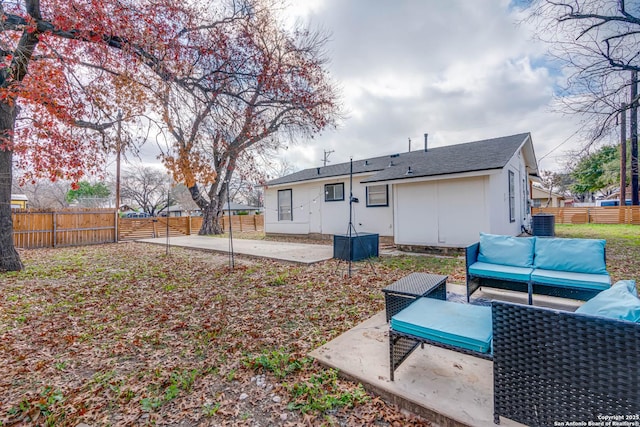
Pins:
<point x="409" y="171"/>
<point x="426" y="137"/>
<point x="318" y="171"/>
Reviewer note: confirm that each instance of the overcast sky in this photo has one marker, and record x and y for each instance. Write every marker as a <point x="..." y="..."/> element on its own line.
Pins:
<point x="458" y="70"/>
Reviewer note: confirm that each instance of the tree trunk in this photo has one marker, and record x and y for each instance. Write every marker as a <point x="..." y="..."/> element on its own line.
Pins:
<point x="9" y="258"/>
<point x="207" y="221"/>
<point x="212" y="219"/>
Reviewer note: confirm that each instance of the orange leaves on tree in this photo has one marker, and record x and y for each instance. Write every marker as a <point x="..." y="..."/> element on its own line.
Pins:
<point x="91" y="60"/>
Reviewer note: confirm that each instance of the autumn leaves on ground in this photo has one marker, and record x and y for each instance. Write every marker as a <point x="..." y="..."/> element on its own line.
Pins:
<point x="123" y="334"/>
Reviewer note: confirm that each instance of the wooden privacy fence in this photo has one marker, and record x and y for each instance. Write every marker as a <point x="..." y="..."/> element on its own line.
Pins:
<point x="41" y="229"/>
<point x="243" y="223"/>
<point x="145" y="228"/>
<point x="593" y="215"/>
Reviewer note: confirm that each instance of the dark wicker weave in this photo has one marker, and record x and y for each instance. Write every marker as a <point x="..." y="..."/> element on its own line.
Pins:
<point x="553" y="367"/>
<point x="474" y="282"/>
<point x="403" y="292"/>
<point x="401" y="345"/>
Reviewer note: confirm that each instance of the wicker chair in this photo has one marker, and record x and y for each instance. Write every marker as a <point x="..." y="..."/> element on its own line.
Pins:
<point x="553" y="366"/>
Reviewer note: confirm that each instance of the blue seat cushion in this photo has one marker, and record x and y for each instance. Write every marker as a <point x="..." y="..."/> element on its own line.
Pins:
<point x="569" y="279"/>
<point x="576" y="255"/>
<point x="498" y="271"/>
<point x="618" y="302"/>
<point x="506" y="250"/>
<point x="460" y="325"/>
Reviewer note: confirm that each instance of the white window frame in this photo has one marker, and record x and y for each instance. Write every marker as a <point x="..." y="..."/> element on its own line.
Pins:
<point x="378" y="190"/>
<point x="285" y="213"/>
<point x="512" y="196"/>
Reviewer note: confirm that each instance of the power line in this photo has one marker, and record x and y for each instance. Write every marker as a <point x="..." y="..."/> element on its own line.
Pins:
<point x="559" y="145"/>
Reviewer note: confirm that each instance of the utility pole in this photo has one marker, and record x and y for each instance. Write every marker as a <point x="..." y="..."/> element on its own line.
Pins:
<point x="623" y="155"/>
<point x="118" y="152"/>
<point x="326" y="156"/>
<point x="634" y="138"/>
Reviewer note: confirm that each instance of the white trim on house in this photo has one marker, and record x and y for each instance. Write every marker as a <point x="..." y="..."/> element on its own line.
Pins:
<point x="446" y="209"/>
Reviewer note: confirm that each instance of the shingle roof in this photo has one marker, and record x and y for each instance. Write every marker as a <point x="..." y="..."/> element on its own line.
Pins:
<point x="469" y="157"/>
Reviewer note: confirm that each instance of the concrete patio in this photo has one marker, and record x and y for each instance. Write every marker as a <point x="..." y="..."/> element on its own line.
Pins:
<point x="443" y="386"/>
<point x="301" y="253"/>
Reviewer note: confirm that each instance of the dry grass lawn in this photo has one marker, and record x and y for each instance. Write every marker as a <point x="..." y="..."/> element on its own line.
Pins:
<point x="122" y="334"/>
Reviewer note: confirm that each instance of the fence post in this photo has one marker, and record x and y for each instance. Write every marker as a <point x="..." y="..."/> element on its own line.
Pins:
<point x="189" y="225"/>
<point x="115" y="227"/>
<point x="55" y="228"/>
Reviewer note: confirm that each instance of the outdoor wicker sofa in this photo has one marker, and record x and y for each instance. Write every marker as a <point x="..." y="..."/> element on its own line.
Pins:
<point x="568" y="268"/>
<point x="552" y="366"/>
<point x="549" y="366"/>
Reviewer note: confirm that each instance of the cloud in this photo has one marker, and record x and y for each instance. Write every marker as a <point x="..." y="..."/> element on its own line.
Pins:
<point x="455" y="70"/>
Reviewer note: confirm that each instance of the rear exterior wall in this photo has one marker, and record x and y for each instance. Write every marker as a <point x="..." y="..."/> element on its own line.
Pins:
<point x="312" y="214"/>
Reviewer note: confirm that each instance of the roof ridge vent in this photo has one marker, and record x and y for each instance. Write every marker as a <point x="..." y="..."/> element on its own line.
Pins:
<point x="395" y="155"/>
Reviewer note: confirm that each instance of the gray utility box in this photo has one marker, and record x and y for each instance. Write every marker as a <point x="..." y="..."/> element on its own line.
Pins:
<point x="363" y="246"/>
<point x="544" y="225"/>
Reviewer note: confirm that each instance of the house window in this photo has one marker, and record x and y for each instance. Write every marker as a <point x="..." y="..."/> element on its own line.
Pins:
<point x="333" y="192"/>
<point x="378" y="195"/>
<point x="284" y="205"/>
<point x="512" y="197"/>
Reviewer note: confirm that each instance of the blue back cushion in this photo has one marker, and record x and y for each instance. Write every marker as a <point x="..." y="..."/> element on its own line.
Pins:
<point x="577" y="255"/>
<point x="618" y="302"/>
<point x="506" y="250"/>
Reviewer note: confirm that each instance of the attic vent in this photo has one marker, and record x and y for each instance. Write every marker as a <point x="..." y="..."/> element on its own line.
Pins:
<point x="409" y="171"/>
<point x="395" y="155"/>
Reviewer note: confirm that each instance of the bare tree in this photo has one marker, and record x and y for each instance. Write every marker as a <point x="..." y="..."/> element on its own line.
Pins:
<point x="147" y="188"/>
<point x="598" y="43"/>
<point x="268" y="87"/>
<point x="180" y="193"/>
<point x="44" y="194"/>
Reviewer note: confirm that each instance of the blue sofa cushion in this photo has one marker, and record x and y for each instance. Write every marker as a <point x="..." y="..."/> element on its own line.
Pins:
<point x="618" y="302"/>
<point x="569" y="279"/>
<point x="497" y="271"/>
<point x="506" y="250"/>
<point x="576" y="255"/>
<point x="461" y="325"/>
<point x="630" y="285"/>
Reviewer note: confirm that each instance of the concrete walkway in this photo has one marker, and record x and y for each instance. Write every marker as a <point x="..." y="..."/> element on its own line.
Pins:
<point x="301" y="253"/>
<point x="446" y="387"/>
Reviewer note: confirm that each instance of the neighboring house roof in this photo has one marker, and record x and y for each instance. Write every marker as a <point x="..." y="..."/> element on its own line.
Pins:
<point x="21" y="197"/>
<point x="468" y="157"/>
<point x="234" y="207"/>
<point x="544" y="193"/>
<point x="239" y="207"/>
<point x="616" y="194"/>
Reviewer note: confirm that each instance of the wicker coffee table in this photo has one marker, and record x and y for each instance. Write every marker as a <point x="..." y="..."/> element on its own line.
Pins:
<point x="400" y="294"/>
